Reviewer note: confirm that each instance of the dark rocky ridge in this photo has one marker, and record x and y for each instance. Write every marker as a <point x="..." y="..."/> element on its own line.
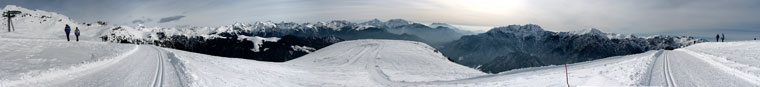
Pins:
<point x="516" y="46"/>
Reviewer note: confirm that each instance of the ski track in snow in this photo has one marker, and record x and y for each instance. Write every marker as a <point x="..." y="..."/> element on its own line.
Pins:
<point x="668" y="76"/>
<point x="128" y="69"/>
<point x="652" y="67"/>
<point x="159" y="69"/>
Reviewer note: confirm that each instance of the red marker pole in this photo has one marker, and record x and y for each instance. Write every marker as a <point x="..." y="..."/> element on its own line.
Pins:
<point x="567" y="78"/>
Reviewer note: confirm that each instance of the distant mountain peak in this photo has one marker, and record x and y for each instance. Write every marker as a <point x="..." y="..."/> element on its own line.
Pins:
<point x="592" y="31"/>
<point x="10" y="6"/>
<point x="398" y="21"/>
<point x="437" y="25"/>
<point x="374" y="21"/>
<point x="518" y="28"/>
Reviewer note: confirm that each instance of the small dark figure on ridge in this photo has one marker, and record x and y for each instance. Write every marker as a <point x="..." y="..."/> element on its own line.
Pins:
<point x="717" y="38"/>
<point x="76" y="33"/>
<point x="722" y="37"/>
<point x="68" y="30"/>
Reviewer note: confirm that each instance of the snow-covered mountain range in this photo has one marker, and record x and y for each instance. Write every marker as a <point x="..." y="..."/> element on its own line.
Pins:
<point x="520" y="46"/>
<point x="253" y="40"/>
<point x="264" y="40"/>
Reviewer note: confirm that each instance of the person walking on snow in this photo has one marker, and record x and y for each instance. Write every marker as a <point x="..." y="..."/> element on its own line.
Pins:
<point x="717" y="38"/>
<point x="76" y="33"/>
<point x="722" y="37"/>
<point x="68" y="30"/>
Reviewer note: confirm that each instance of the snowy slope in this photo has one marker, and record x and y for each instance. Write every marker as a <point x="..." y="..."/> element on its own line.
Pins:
<point x="398" y="63"/>
<point x="735" y="63"/>
<point x="29" y="60"/>
<point x="58" y="63"/>
<point x="38" y="56"/>
<point x="373" y="63"/>
<point x="406" y="61"/>
<point x="349" y="63"/>
<point x="47" y="25"/>
<point x="360" y="63"/>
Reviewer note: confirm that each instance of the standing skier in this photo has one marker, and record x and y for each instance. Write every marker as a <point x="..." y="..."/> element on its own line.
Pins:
<point x="105" y="38"/>
<point x="722" y="37"/>
<point x="76" y="33"/>
<point x="68" y="30"/>
<point x="717" y="38"/>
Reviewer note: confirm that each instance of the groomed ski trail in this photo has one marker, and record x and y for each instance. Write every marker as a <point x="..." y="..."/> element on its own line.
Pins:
<point x="140" y="67"/>
<point x="667" y="72"/>
<point x="681" y="68"/>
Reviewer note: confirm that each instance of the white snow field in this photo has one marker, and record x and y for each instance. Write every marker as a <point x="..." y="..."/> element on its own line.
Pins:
<point x="57" y="63"/>
<point x="24" y="58"/>
<point x="406" y="63"/>
<point x="39" y="62"/>
<point x="349" y="63"/>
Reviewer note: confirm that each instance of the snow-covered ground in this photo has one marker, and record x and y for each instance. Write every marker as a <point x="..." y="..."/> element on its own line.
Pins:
<point x="350" y="63"/>
<point x="23" y="58"/>
<point x="734" y="64"/>
<point x="38" y="24"/>
<point x="57" y="63"/>
<point x="358" y="63"/>
<point x="406" y="63"/>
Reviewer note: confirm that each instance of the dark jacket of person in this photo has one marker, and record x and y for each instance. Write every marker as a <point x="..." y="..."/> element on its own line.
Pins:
<point x="76" y="32"/>
<point x="67" y="29"/>
<point x="723" y="37"/>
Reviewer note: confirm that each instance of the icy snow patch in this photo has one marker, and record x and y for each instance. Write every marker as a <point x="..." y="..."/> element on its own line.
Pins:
<point x="258" y="41"/>
<point x="303" y="48"/>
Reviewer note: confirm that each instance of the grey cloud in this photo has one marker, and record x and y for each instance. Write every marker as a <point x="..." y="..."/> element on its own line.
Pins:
<point x="169" y="19"/>
<point x="142" y="21"/>
<point x="618" y="16"/>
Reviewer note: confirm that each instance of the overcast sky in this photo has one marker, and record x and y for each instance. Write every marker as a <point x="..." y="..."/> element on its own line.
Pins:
<point x="680" y="17"/>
